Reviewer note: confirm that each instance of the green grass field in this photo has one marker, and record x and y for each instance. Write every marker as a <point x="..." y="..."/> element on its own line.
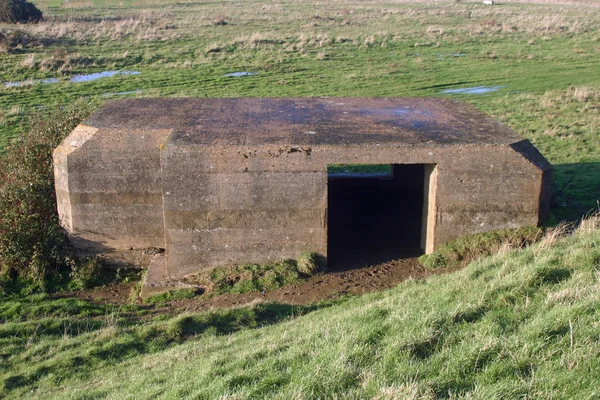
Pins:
<point x="520" y="324"/>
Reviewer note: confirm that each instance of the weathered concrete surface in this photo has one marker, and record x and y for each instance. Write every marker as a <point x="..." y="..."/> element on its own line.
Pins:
<point x="108" y="187"/>
<point x="225" y="181"/>
<point x="336" y="121"/>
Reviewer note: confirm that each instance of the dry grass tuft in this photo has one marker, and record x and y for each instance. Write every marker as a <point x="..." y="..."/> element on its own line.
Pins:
<point x="214" y="48"/>
<point x="15" y="111"/>
<point x="258" y="40"/>
<point x="590" y="223"/>
<point x="220" y="20"/>
<point x="408" y="391"/>
<point x="29" y="61"/>
<point x="553" y="234"/>
<point x="572" y="295"/>
<point x="435" y="30"/>
<point x="506" y="247"/>
<point x="583" y="94"/>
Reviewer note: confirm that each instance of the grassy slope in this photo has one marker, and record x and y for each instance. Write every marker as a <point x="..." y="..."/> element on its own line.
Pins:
<point x="522" y="323"/>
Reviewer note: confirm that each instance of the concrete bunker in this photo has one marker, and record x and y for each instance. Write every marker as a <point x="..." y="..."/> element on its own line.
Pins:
<point x="226" y="181"/>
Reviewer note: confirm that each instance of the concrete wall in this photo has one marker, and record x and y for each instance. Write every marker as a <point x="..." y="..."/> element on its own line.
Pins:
<point x="489" y="189"/>
<point x="234" y="205"/>
<point x="245" y="210"/>
<point x="109" y="188"/>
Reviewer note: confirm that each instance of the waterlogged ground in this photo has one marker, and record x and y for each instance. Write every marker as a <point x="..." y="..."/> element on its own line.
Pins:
<point x="76" y="78"/>
<point x="531" y="66"/>
<point x="473" y="90"/>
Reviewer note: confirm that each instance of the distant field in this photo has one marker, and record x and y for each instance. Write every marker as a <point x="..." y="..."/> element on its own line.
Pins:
<point x="594" y="3"/>
<point x="534" y="66"/>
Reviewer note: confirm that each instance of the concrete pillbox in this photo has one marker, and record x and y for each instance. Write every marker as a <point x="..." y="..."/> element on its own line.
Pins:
<point x="227" y="181"/>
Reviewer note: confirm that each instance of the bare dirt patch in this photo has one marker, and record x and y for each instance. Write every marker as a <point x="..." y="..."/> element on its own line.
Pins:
<point x="322" y="286"/>
<point x="117" y="293"/>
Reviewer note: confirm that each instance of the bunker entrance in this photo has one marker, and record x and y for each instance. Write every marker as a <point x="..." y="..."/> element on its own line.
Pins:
<point x="377" y="213"/>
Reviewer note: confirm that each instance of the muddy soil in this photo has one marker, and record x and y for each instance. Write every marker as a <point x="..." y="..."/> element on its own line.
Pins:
<point x="322" y="286"/>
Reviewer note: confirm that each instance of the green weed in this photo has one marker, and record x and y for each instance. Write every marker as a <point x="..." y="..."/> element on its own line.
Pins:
<point x="172" y="295"/>
<point x="247" y="278"/>
<point x="310" y="263"/>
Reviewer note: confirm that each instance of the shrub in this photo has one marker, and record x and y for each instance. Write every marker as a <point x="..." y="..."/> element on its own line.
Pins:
<point x="33" y="246"/>
<point x="13" y="11"/>
<point x="17" y="39"/>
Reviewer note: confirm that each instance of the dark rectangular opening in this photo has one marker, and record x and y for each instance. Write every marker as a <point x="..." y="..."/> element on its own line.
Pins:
<point x="375" y="214"/>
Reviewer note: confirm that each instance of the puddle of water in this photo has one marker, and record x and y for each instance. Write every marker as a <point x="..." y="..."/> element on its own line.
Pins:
<point x="443" y="56"/>
<point x="76" y="78"/>
<point x="30" y="82"/>
<point x="473" y="90"/>
<point x="99" y="75"/>
<point x="405" y="113"/>
<point x="241" y="73"/>
<point x="386" y="112"/>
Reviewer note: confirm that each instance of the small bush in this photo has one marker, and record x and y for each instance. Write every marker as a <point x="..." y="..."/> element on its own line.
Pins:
<point x="17" y="39"/>
<point x="33" y="246"/>
<point x="14" y="11"/>
<point x="85" y="274"/>
<point x="463" y="250"/>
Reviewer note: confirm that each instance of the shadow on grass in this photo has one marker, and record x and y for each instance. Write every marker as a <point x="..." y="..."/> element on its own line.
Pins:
<point x="126" y="342"/>
<point x="225" y="322"/>
<point x="575" y="190"/>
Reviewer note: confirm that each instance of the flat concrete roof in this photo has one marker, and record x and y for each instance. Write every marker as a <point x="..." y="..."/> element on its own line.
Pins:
<point x="306" y="121"/>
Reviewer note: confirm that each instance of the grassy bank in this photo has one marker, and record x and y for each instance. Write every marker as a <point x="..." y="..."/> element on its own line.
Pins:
<point x="523" y="323"/>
